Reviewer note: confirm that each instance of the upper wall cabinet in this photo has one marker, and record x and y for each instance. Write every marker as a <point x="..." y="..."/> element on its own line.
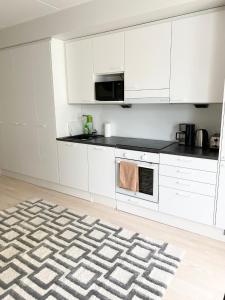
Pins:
<point x="147" y="62"/>
<point x="79" y="71"/>
<point x="198" y="58"/>
<point x="109" y="53"/>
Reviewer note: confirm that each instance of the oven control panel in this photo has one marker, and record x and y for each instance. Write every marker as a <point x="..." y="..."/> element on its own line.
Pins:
<point x="138" y="155"/>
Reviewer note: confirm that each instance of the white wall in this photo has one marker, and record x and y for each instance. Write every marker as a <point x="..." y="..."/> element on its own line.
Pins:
<point x="154" y="121"/>
<point x="98" y="16"/>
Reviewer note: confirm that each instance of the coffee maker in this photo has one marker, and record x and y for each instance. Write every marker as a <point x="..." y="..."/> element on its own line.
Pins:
<point x="186" y="134"/>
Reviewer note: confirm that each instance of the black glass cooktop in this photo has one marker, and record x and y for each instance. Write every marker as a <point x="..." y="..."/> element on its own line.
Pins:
<point x="121" y="142"/>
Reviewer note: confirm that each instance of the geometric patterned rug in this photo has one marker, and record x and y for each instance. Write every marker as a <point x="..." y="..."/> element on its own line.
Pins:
<point x="50" y="252"/>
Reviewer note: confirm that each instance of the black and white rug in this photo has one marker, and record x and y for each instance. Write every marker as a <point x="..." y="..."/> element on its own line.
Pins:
<point x="50" y="252"/>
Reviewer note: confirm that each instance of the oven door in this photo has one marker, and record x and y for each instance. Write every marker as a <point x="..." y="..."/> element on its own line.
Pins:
<point x="148" y="180"/>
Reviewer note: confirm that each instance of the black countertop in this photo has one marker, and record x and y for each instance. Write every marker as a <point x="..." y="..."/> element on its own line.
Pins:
<point x="145" y="145"/>
<point x="176" y="149"/>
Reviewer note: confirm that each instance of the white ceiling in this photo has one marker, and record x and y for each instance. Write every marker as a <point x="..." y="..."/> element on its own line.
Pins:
<point x="14" y="12"/>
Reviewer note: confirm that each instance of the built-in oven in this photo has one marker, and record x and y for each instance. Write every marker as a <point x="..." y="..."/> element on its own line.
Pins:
<point x="148" y="176"/>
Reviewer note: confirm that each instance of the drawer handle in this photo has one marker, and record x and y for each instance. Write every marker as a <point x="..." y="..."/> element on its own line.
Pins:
<point x="182" y="184"/>
<point x="182" y="172"/>
<point x="182" y="195"/>
<point x="184" y="160"/>
<point x="99" y="148"/>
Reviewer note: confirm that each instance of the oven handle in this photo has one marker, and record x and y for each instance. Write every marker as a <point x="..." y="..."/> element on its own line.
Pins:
<point x="140" y="164"/>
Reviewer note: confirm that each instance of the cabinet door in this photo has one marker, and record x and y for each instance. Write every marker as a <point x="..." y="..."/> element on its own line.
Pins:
<point x="73" y="165"/>
<point x="186" y="205"/>
<point x="198" y="58"/>
<point x="220" y="214"/>
<point x="79" y="69"/>
<point x="109" y="53"/>
<point x="102" y="170"/>
<point x="23" y="83"/>
<point x="48" y="155"/>
<point x="147" y="57"/>
<point x="12" y="146"/>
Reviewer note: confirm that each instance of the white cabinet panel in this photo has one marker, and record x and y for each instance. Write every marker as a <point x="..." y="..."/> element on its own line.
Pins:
<point x="48" y="155"/>
<point x="186" y="205"/>
<point x="209" y="165"/>
<point x="23" y="84"/>
<point x="79" y="70"/>
<point x="109" y="53"/>
<point x="12" y="143"/>
<point x="198" y="58"/>
<point x="102" y="170"/>
<point x="220" y="214"/>
<point x="188" y="174"/>
<point x="73" y="165"/>
<point x="147" y="57"/>
<point x="187" y="185"/>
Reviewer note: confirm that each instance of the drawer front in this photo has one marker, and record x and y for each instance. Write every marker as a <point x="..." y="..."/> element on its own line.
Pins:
<point x="187" y="185"/>
<point x="209" y="165"/>
<point x="137" y="155"/>
<point x="188" y="174"/>
<point x="186" y="205"/>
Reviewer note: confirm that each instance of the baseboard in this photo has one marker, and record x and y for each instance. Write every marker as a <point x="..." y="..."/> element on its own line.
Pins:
<point x="50" y="185"/>
<point x="205" y="230"/>
<point x="208" y="231"/>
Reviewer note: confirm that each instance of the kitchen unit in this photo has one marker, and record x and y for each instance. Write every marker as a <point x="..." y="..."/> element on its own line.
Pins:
<point x="156" y="59"/>
<point x="186" y="186"/>
<point x="174" y="180"/>
<point x="147" y="63"/>
<point x="198" y="60"/>
<point x="28" y="115"/>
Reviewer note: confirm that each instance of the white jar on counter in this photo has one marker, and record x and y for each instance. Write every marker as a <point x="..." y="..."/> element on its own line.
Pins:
<point x="107" y="130"/>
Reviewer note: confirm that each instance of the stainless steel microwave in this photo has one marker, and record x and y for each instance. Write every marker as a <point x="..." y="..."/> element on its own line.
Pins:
<point x="109" y="91"/>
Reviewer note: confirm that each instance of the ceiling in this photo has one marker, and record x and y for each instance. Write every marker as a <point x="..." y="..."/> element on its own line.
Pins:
<point x="13" y="12"/>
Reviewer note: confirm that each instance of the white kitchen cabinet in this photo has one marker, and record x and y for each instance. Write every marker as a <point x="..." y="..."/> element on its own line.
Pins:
<point x="73" y="165"/>
<point x="220" y="213"/>
<point x="186" y="205"/>
<point x="28" y="113"/>
<point x="147" y="61"/>
<point x="187" y="187"/>
<point x="198" y="58"/>
<point x="79" y="71"/>
<point x="109" y="53"/>
<point x="102" y="171"/>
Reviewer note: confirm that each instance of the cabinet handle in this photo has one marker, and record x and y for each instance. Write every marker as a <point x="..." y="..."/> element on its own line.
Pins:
<point x="42" y="125"/>
<point x="183" y="160"/>
<point x="182" y="184"/>
<point x="182" y="195"/>
<point x="182" y="172"/>
<point x="99" y="148"/>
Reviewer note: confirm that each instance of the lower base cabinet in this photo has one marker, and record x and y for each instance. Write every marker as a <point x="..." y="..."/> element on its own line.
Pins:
<point x="102" y="171"/>
<point x="220" y="212"/>
<point x="191" y="206"/>
<point x="73" y="165"/>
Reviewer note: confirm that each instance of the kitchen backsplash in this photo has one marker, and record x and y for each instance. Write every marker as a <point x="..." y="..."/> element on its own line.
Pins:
<point x="155" y="121"/>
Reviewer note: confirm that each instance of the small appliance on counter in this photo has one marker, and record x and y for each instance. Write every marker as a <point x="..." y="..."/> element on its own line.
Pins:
<point x="214" y="142"/>
<point x="202" y="138"/>
<point x="186" y="134"/>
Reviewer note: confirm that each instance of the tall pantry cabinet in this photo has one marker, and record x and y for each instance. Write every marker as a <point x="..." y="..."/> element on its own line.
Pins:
<point x="28" y="128"/>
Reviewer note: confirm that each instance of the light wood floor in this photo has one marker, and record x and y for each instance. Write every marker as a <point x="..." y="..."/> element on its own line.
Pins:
<point x="201" y="275"/>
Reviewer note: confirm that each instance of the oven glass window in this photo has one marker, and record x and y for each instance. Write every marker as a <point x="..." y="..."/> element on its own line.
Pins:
<point x="146" y="178"/>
